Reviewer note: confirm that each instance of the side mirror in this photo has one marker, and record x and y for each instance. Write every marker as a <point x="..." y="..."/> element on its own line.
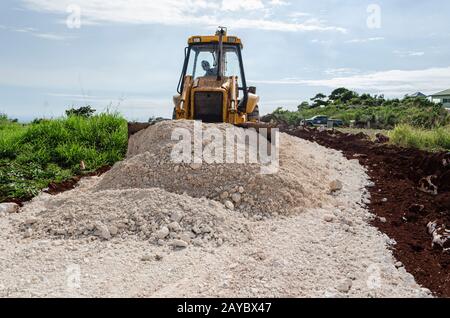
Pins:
<point x="252" y="89"/>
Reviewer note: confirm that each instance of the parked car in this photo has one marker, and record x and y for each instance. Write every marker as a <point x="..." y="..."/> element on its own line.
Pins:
<point x="322" y="120"/>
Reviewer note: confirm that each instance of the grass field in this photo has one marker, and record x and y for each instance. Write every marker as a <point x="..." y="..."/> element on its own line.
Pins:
<point x="437" y="139"/>
<point x="32" y="156"/>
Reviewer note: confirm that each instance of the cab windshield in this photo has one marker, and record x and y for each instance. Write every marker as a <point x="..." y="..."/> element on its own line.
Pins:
<point x="203" y="61"/>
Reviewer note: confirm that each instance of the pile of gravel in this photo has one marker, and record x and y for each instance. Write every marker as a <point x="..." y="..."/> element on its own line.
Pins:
<point x="148" y="197"/>
<point x="151" y="214"/>
<point x="238" y="186"/>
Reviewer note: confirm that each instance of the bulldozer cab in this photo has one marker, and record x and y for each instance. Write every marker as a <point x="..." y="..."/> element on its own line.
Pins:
<point x="204" y="60"/>
<point x="213" y="64"/>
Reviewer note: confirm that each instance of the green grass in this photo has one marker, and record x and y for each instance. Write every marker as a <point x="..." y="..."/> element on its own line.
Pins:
<point x="437" y="139"/>
<point x="32" y="156"/>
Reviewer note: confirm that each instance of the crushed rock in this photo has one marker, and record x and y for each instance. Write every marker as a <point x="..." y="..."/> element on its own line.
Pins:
<point x="146" y="214"/>
<point x="293" y="189"/>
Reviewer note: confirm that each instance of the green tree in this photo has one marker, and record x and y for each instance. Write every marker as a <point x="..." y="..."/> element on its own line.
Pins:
<point x="303" y="105"/>
<point x="342" y="95"/>
<point x="86" y="112"/>
<point x="319" y="101"/>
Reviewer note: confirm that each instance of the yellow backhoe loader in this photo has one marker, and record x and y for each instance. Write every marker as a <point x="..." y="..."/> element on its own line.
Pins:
<point x="213" y="86"/>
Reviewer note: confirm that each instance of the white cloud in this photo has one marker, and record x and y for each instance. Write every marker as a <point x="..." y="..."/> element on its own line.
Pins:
<point x="236" y="5"/>
<point x="365" y="40"/>
<point x="298" y="14"/>
<point x="409" y="53"/>
<point x="34" y="32"/>
<point x="343" y="71"/>
<point x="393" y="82"/>
<point x="279" y="3"/>
<point x="51" y="36"/>
<point x="322" y="42"/>
<point x="233" y="13"/>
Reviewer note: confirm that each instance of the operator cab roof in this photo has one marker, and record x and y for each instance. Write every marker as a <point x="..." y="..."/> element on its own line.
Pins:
<point x="201" y="39"/>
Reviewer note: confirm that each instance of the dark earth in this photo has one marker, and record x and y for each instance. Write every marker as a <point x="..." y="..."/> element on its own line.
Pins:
<point x="398" y="174"/>
<point x="56" y="188"/>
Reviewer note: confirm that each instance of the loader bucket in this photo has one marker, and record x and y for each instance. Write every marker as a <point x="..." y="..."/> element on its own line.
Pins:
<point x="134" y="128"/>
<point x="258" y="126"/>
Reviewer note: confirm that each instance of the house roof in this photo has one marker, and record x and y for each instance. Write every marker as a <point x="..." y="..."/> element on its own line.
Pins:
<point x="418" y="94"/>
<point x="443" y="93"/>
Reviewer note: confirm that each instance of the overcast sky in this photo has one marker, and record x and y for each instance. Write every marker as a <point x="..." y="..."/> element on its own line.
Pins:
<point x="127" y="54"/>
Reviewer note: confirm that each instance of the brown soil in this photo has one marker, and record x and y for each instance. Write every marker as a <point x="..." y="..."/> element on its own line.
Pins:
<point x="397" y="173"/>
<point x="59" y="187"/>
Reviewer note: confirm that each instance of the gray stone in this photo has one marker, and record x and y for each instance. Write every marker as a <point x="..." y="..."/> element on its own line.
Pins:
<point x="31" y="221"/>
<point x="9" y="207"/>
<point x="175" y="227"/>
<point x="146" y="258"/>
<point x="236" y="197"/>
<point x="163" y="232"/>
<point x="224" y="195"/>
<point x="336" y="185"/>
<point x="102" y="231"/>
<point x="229" y="205"/>
<point x="179" y="244"/>
<point x="28" y="233"/>
<point x="345" y="286"/>
<point x="113" y="230"/>
<point x="197" y="242"/>
<point x="196" y="166"/>
<point x="176" y="216"/>
<point x="185" y="237"/>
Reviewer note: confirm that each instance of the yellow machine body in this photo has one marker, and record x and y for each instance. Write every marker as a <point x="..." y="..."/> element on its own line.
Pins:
<point x="216" y="96"/>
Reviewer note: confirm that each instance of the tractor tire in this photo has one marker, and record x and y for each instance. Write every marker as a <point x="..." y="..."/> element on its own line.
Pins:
<point x="174" y="114"/>
<point x="254" y="116"/>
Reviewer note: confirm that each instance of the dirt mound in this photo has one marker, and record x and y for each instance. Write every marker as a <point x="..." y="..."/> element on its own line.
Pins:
<point x="411" y="192"/>
<point x="151" y="214"/>
<point x="296" y="186"/>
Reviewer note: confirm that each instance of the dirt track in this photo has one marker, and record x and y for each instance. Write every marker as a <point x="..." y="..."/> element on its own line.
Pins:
<point x="397" y="174"/>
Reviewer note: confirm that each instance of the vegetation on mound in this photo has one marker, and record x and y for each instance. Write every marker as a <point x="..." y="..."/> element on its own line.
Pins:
<point x="51" y="150"/>
<point x="380" y="112"/>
